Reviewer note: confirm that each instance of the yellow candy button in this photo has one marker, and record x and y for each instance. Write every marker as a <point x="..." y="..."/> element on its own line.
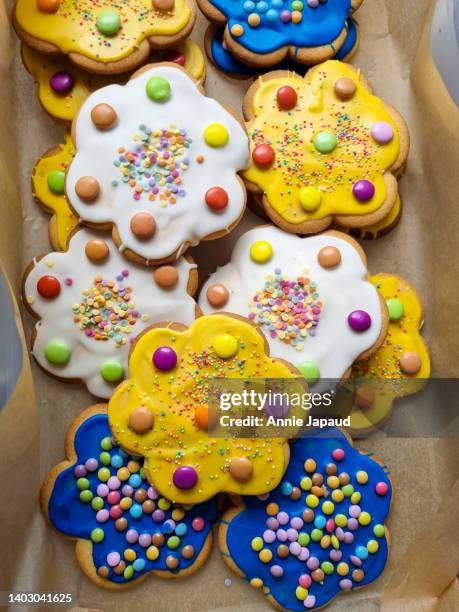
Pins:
<point x="225" y="345"/>
<point x="216" y="135"/>
<point x="310" y="198"/>
<point x="342" y="569"/>
<point x="372" y="546"/>
<point x="328" y="507"/>
<point x="265" y="555"/>
<point x="261" y="251"/>
<point x="130" y="554"/>
<point x="312" y="501"/>
<point x="152" y="553"/>
<point x="257" y="583"/>
<point x="365" y="518"/>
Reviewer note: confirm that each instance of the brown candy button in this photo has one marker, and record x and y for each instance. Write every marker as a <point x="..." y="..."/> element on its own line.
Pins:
<point x="364" y="397"/>
<point x="295" y="494"/>
<point x="188" y="551"/>
<point x="140" y="420"/>
<point x="318" y="575"/>
<point x="102" y="571"/>
<point x="344" y="478"/>
<point x="172" y="562"/>
<point x="410" y="363"/>
<point x="331" y="469"/>
<point x="329" y="257"/>
<point x="345" y="88"/>
<point x="166" y="277"/>
<point x="140" y="495"/>
<point x="104" y="116"/>
<point x="119" y="569"/>
<point x="217" y="295"/>
<point x="317" y="479"/>
<point x="87" y="188"/>
<point x="358" y="575"/>
<point x="241" y="469"/>
<point x="282" y="551"/>
<point x="96" y="250"/>
<point x="308" y="515"/>
<point x="163" y="5"/>
<point x="121" y="524"/>
<point x="157" y="539"/>
<point x="143" y="225"/>
<point x="148" y="506"/>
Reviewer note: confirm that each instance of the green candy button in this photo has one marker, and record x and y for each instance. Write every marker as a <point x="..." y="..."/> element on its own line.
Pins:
<point x="325" y="142"/>
<point x="57" y="352"/>
<point x="158" y="89"/>
<point x="97" y="535"/>
<point x="111" y="370"/>
<point x="56" y="181"/>
<point x="310" y="371"/>
<point x="395" y="308"/>
<point x="128" y="572"/>
<point x="108" y="23"/>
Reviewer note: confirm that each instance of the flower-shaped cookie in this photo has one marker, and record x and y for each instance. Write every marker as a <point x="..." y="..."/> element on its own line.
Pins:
<point x="323" y="149"/>
<point x="311" y="296"/>
<point x="319" y="533"/>
<point x="158" y="161"/>
<point x="91" y="304"/>
<point x="263" y="33"/>
<point x="162" y="411"/>
<point x="62" y="87"/>
<point x="219" y="54"/>
<point x="107" y="36"/>
<point x="123" y="528"/>
<point x="401" y="365"/>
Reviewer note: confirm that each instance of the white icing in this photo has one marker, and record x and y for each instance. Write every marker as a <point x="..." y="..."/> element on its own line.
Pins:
<point x="189" y="220"/>
<point x="56" y="315"/>
<point x="342" y="290"/>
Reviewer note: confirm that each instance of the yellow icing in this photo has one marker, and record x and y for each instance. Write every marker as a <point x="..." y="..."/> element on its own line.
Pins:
<point x="65" y="219"/>
<point x="64" y="107"/>
<point x="376" y="229"/>
<point x="299" y="164"/>
<point x="383" y="367"/>
<point x="173" y="396"/>
<point x="72" y="28"/>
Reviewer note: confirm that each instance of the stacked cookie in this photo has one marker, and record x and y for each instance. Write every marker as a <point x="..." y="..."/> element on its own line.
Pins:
<point x="150" y="167"/>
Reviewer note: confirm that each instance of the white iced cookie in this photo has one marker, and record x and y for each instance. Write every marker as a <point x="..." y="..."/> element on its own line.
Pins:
<point x="310" y="296"/>
<point x="91" y="304"/>
<point x="157" y="160"/>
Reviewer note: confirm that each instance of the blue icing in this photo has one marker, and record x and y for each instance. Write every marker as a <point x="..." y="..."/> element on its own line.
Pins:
<point x="226" y="62"/>
<point x="77" y="519"/>
<point x="319" y="26"/>
<point x="251" y="522"/>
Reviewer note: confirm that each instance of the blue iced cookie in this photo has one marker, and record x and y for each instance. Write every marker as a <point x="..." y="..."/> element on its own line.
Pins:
<point x="320" y="532"/>
<point x="124" y="530"/>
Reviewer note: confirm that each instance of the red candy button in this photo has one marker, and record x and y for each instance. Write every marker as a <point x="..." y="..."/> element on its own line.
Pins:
<point x="286" y="97"/>
<point x="48" y="287"/>
<point x="217" y="198"/>
<point x="263" y="155"/>
<point x="177" y="57"/>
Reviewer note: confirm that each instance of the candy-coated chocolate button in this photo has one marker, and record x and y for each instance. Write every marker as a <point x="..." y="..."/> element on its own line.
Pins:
<point x="176" y="57"/>
<point x="111" y="370"/>
<point x="103" y="116"/>
<point x="329" y="257"/>
<point x="48" y="6"/>
<point x="261" y="251"/>
<point x="225" y="345"/>
<point x="263" y="155"/>
<point x="188" y="551"/>
<point x="410" y="362"/>
<point x="363" y="190"/>
<point x="395" y="308"/>
<point x="359" y="320"/>
<point x="325" y="142"/>
<point x="217" y="295"/>
<point x="57" y="352"/>
<point x="206" y="418"/>
<point x="56" y="181"/>
<point x="48" y="286"/>
<point x="108" y="23"/>
<point x="216" y="199"/>
<point x="382" y="132"/>
<point x="61" y="82"/>
<point x="286" y="97"/>
<point x="310" y="198"/>
<point x="163" y="5"/>
<point x="185" y="477"/>
<point x="381" y="488"/>
<point x="96" y="250"/>
<point x="87" y="188"/>
<point x="364" y="397"/>
<point x="216" y="135"/>
<point x="241" y="469"/>
<point x="310" y="371"/>
<point x="164" y="358"/>
<point x="345" y="88"/>
<point x="158" y="89"/>
<point x="140" y="420"/>
<point x="143" y="225"/>
<point x="97" y="535"/>
<point x="172" y="562"/>
<point x="237" y="30"/>
<point x="166" y="277"/>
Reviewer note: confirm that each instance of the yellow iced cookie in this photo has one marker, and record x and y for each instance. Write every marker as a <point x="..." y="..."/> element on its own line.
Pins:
<point x="401" y="366"/>
<point x="162" y="413"/>
<point x="63" y="87"/>
<point x="324" y="149"/>
<point x="48" y="181"/>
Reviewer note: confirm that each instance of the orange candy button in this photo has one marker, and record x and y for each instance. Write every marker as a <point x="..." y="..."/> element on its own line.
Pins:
<point x="364" y="397"/>
<point x="103" y="116"/>
<point x="87" y="188"/>
<point x="48" y="6"/>
<point x="241" y="469"/>
<point x="166" y="277"/>
<point x="143" y="225"/>
<point x="205" y="418"/>
<point x="410" y="363"/>
<point x="96" y="250"/>
<point x="141" y="420"/>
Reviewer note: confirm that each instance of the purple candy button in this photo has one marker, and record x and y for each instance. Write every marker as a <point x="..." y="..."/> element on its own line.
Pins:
<point x="61" y="82"/>
<point x="363" y="190"/>
<point x="382" y="132"/>
<point x="345" y="584"/>
<point x="359" y="320"/>
<point x="185" y="477"/>
<point x="165" y="358"/>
